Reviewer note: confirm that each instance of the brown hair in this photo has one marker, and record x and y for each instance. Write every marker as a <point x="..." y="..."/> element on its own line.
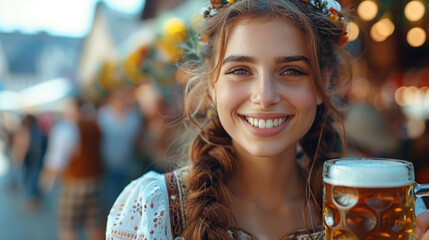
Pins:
<point x="207" y="211"/>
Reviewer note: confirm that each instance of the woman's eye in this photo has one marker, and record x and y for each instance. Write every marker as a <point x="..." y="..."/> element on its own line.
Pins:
<point x="238" y="71"/>
<point x="293" y="72"/>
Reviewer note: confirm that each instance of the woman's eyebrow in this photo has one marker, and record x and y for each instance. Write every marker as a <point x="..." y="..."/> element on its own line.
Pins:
<point x="280" y="60"/>
<point x="238" y="58"/>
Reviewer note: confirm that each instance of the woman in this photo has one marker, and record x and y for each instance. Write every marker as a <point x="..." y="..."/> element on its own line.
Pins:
<point x="262" y="101"/>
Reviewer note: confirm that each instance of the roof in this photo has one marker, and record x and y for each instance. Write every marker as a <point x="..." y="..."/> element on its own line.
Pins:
<point x="23" y="52"/>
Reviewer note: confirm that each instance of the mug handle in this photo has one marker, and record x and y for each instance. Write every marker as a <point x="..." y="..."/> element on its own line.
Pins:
<point x="420" y="191"/>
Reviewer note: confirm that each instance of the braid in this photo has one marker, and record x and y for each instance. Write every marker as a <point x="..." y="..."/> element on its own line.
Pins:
<point x="208" y="207"/>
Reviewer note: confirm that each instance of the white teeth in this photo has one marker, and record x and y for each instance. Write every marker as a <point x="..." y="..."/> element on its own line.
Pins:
<point x="261" y="123"/>
<point x="255" y="122"/>
<point x="269" y="123"/>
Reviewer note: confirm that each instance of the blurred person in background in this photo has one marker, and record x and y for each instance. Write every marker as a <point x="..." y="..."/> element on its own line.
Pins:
<point x="74" y="155"/>
<point x="5" y="140"/>
<point x="369" y="133"/>
<point x="156" y="137"/>
<point x="12" y="181"/>
<point x="28" y="149"/>
<point x="120" y="123"/>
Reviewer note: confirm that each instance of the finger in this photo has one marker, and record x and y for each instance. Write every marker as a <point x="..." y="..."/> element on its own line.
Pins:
<point x="425" y="236"/>
<point x="422" y="225"/>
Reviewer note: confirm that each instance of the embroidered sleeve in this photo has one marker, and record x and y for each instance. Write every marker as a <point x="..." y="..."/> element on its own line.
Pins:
<point x="141" y="211"/>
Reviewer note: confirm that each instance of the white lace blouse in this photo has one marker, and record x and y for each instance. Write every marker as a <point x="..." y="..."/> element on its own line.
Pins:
<point x="141" y="211"/>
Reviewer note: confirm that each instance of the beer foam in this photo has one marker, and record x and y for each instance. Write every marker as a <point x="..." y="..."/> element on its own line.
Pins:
<point x="369" y="173"/>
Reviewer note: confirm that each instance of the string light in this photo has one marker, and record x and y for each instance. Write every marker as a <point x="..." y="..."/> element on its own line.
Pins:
<point x="414" y="10"/>
<point x="375" y="35"/>
<point x="353" y="31"/>
<point x="385" y="27"/>
<point x="367" y="10"/>
<point x="399" y="96"/>
<point x="416" y="37"/>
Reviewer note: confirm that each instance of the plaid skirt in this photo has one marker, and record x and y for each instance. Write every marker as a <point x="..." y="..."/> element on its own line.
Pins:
<point x="80" y="204"/>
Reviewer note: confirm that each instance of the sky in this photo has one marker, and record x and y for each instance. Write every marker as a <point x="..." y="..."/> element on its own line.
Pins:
<point x="71" y="18"/>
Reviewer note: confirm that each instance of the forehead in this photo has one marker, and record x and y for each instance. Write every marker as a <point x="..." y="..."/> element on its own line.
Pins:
<point x="266" y="37"/>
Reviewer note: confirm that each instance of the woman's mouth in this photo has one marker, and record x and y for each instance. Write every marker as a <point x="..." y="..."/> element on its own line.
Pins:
<point x="266" y="123"/>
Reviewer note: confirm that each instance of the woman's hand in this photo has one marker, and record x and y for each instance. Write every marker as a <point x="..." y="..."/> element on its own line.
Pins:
<point x="422" y="224"/>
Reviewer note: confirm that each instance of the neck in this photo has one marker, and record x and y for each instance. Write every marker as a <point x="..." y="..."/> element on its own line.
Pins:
<point x="268" y="181"/>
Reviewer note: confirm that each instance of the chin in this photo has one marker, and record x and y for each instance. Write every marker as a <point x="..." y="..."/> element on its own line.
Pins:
<point x="265" y="152"/>
<point x="268" y="149"/>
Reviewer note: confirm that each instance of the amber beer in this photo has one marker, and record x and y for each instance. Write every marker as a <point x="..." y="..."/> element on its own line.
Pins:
<point x="368" y="199"/>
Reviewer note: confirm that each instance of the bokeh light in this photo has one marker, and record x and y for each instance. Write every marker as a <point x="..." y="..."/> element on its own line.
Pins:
<point x="353" y="31"/>
<point x="399" y="96"/>
<point x="410" y="95"/>
<point x="385" y="27"/>
<point x="416" y="37"/>
<point x="414" y="10"/>
<point x="367" y="10"/>
<point x="375" y="35"/>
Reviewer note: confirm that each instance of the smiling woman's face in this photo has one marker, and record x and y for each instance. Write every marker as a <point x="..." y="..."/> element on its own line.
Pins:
<point x="265" y="94"/>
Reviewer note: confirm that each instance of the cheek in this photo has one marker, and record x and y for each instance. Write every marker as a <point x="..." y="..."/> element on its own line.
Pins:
<point x="302" y="97"/>
<point x="228" y="101"/>
<point x="229" y="96"/>
<point x="305" y="102"/>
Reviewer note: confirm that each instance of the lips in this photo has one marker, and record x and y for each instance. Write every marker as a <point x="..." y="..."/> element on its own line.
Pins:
<point x="266" y="124"/>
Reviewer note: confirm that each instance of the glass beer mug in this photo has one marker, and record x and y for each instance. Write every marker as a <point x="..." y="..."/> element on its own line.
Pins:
<point x="369" y="198"/>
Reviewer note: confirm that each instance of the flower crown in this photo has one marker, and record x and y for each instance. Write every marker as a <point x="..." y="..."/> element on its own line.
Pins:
<point x="330" y="8"/>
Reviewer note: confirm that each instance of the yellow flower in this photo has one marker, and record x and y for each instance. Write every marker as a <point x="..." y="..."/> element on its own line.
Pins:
<point x="107" y="77"/>
<point x="131" y="65"/>
<point x="230" y="1"/>
<point x="175" y="30"/>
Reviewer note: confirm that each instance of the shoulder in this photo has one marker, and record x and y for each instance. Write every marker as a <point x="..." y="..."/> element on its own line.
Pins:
<point x="141" y="210"/>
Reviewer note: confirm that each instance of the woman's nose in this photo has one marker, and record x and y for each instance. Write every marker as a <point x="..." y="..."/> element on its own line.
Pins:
<point x="264" y="92"/>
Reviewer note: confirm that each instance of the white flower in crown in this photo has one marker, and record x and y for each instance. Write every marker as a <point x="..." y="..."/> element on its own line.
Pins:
<point x="333" y="6"/>
<point x="212" y="12"/>
<point x="203" y="10"/>
<point x="207" y="12"/>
